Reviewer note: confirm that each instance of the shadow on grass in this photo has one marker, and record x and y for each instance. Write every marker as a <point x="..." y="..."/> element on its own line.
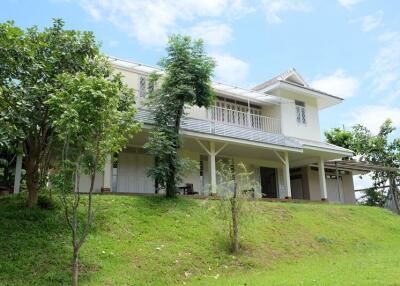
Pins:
<point x="35" y="247"/>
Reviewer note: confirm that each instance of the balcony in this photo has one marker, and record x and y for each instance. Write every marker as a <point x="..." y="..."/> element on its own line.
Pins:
<point x="244" y="119"/>
<point x="202" y="121"/>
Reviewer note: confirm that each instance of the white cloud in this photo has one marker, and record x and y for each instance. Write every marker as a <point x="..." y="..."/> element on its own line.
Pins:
<point x="338" y="83"/>
<point x="213" y="33"/>
<point x="370" y="22"/>
<point x="152" y="21"/>
<point x="230" y="69"/>
<point x="274" y="7"/>
<point x="384" y="72"/>
<point x="372" y="116"/>
<point x="349" y="3"/>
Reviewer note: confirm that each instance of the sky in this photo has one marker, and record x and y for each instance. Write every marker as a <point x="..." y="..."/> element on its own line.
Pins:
<point x="349" y="48"/>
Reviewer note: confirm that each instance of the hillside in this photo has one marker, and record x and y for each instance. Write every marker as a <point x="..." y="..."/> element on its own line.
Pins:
<point x="154" y="241"/>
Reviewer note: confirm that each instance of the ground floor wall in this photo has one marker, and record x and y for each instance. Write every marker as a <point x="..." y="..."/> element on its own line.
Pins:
<point x="129" y="175"/>
<point x="339" y="189"/>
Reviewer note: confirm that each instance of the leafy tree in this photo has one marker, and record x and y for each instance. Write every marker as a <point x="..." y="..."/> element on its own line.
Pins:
<point x="93" y="117"/>
<point x="186" y="81"/>
<point x="236" y="191"/>
<point x="30" y="66"/>
<point x="340" y="137"/>
<point x="377" y="149"/>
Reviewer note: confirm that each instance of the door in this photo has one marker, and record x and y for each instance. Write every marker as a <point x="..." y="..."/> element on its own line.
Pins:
<point x="132" y="177"/>
<point x="334" y="188"/>
<point x="268" y="182"/>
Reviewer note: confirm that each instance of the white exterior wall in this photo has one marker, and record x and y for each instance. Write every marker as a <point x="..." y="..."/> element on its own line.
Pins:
<point x="132" y="80"/>
<point x="132" y="177"/>
<point x="84" y="184"/>
<point x="290" y="126"/>
<point x="192" y="176"/>
<point x="313" y="185"/>
<point x="348" y="189"/>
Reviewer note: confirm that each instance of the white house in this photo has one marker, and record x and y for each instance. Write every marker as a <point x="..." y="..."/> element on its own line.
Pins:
<point x="272" y="128"/>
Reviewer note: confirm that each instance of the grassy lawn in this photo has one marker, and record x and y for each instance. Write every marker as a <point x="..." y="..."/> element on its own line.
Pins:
<point x="154" y="241"/>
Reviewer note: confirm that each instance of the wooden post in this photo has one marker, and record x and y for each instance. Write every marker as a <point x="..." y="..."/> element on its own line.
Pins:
<point x="213" y="168"/>
<point x="393" y="189"/>
<point x="17" y="178"/>
<point x="286" y="176"/>
<point x="322" y="179"/>
<point x="107" y="179"/>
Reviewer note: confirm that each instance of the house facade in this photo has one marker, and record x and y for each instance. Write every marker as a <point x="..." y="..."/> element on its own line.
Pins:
<point x="272" y="128"/>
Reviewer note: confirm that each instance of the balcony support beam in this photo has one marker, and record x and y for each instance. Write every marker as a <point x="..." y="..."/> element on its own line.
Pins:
<point x="322" y="179"/>
<point x="286" y="172"/>
<point x="107" y="175"/>
<point x="212" y="153"/>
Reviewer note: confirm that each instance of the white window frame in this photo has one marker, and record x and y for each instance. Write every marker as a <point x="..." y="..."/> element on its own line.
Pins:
<point x="301" y="115"/>
<point x="142" y="90"/>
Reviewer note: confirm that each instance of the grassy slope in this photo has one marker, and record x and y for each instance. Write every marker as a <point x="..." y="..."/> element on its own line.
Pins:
<point x="153" y="241"/>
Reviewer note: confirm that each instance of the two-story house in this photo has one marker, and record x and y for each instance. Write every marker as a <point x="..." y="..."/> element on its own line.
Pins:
<point x="272" y="128"/>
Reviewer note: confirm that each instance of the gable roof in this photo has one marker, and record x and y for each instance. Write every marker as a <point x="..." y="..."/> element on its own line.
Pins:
<point x="228" y="90"/>
<point x="291" y="76"/>
<point x="292" y="80"/>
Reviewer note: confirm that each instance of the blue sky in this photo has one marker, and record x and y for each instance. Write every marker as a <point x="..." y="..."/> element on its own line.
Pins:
<point x="350" y="48"/>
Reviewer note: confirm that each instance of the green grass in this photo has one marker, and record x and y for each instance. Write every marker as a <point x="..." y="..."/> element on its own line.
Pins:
<point x="154" y="241"/>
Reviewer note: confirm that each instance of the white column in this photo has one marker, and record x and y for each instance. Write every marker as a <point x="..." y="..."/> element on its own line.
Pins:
<point x="17" y="178"/>
<point x="107" y="179"/>
<point x="213" y="169"/>
<point x="286" y="175"/>
<point x="322" y="179"/>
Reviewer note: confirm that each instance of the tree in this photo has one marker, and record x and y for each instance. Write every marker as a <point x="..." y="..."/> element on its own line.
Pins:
<point x="93" y="117"/>
<point x="236" y="190"/>
<point x="30" y="66"/>
<point x="186" y="81"/>
<point x="376" y="149"/>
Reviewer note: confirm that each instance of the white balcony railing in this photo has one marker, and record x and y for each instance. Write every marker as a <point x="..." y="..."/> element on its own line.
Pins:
<point x="244" y="119"/>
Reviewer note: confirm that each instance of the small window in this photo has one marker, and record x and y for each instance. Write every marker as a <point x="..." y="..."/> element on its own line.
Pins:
<point x="142" y="87"/>
<point x="300" y="112"/>
<point x="115" y="173"/>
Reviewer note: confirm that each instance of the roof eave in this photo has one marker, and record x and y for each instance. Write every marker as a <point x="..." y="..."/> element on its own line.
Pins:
<point x="324" y="99"/>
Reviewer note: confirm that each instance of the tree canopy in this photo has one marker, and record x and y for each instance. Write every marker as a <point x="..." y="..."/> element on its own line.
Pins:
<point x="380" y="149"/>
<point x="186" y="81"/>
<point x="33" y="67"/>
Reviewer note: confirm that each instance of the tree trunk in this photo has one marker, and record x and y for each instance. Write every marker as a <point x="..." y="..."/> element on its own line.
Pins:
<point x="75" y="267"/>
<point x="235" y="222"/>
<point x="171" y="180"/>
<point x="32" y="175"/>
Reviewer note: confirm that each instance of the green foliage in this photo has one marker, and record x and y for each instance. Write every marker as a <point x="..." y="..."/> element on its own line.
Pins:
<point x="236" y="190"/>
<point x="46" y="202"/>
<point x="340" y="137"/>
<point x="186" y="81"/>
<point x="93" y="116"/>
<point x="377" y="149"/>
<point x="35" y="65"/>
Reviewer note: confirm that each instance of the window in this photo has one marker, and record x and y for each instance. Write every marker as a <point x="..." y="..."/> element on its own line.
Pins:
<point x="300" y="112"/>
<point x="115" y="173"/>
<point x="142" y="86"/>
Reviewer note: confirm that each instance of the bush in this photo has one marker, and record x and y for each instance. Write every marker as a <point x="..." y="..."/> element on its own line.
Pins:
<point x="45" y="201"/>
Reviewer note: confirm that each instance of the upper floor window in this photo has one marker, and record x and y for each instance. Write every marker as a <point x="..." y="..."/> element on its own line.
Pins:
<point x="142" y="87"/>
<point x="300" y="112"/>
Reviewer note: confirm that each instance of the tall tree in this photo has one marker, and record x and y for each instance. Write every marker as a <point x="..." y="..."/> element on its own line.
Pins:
<point x="377" y="149"/>
<point x="93" y="117"/>
<point x="30" y="65"/>
<point x="186" y="82"/>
